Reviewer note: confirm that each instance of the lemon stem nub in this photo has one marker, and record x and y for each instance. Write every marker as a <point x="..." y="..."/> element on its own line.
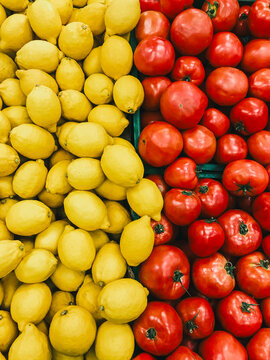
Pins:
<point x="101" y="283"/>
<point x="21" y="247"/>
<point x="101" y="308"/>
<point x="64" y="312"/>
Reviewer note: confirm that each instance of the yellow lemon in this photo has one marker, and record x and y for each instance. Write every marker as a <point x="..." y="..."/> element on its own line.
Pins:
<point x="17" y="115"/>
<point x="91" y="64"/>
<point x="28" y="217"/>
<point x="60" y="356"/>
<point x="4" y="233"/>
<point x="87" y="297"/>
<point x="64" y="8"/>
<point x="91" y="15"/>
<point x="124" y="142"/>
<point x="8" y="330"/>
<point x="99" y="89"/>
<point x="100" y="238"/>
<point x="10" y="285"/>
<point x="60" y="299"/>
<point x="32" y="141"/>
<point x="1" y="293"/>
<point x="118" y="217"/>
<point x="12" y="252"/>
<point x="7" y="67"/>
<point x="60" y="155"/>
<point x="33" y="77"/>
<point x="29" y="179"/>
<point x="28" y="245"/>
<point x="51" y="200"/>
<point x="3" y="14"/>
<point x="11" y="92"/>
<point x="5" y="128"/>
<point x="15" y="5"/>
<point x="69" y="75"/>
<point x="90" y="355"/>
<point x="85" y="174"/>
<point x="2" y="356"/>
<point x="43" y="327"/>
<point x="79" y="3"/>
<point x="48" y="239"/>
<point x="114" y="341"/>
<point x="66" y="279"/>
<point x="111" y="191"/>
<point x="30" y="303"/>
<point x="75" y="105"/>
<point x="56" y="182"/>
<point x="137" y="241"/>
<point x="63" y="131"/>
<point x="39" y="54"/>
<point x="122" y="165"/>
<point x="6" y="189"/>
<point x="5" y="205"/>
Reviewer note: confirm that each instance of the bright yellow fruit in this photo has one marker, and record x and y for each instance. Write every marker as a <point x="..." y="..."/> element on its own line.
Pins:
<point x="60" y="299"/>
<point x="60" y="356"/>
<point x="48" y="239"/>
<point x="87" y="297"/>
<point x="75" y="105"/>
<point x="90" y="355"/>
<point x="56" y="182"/>
<point x="7" y="67"/>
<point x="17" y="115"/>
<point x="8" y="330"/>
<point x="5" y="205"/>
<point x="91" y="15"/>
<point x="124" y="142"/>
<point x="33" y="77"/>
<point x="91" y="64"/>
<point x="51" y="200"/>
<point x="69" y="75"/>
<point x="15" y="5"/>
<point x="10" y="285"/>
<point x="11" y="92"/>
<point x="4" y="233"/>
<point x="3" y="14"/>
<point x="100" y="238"/>
<point x="79" y="3"/>
<point x="42" y="326"/>
<point x="1" y="293"/>
<point x="2" y="356"/>
<point x="118" y="217"/>
<point x="60" y="155"/>
<point x="137" y="241"/>
<point x="63" y="131"/>
<point x="66" y="279"/>
<point x="28" y="245"/>
<point x="64" y="8"/>
<point x="99" y="89"/>
<point x="111" y="191"/>
<point x="6" y="189"/>
<point x="12" y="252"/>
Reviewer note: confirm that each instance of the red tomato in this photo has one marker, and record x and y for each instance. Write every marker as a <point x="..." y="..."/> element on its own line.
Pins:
<point x="191" y="32"/>
<point x="189" y="343"/>
<point x="164" y="230"/>
<point x="154" y="56"/>
<point x="205" y="237"/>
<point x="159" y="329"/>
<point x="226" y="86"/>
<point x="160" y="143"/>
<point x="249" y="116"/>
<point x="221" y="345"/>
<point x="259" y="19"/>
<point x="214" y="197"/>
<point x="197" y="317"/>
<point x="230" y="147"/>
<point x="183" y="353"/>
<point x="259" y="346"/>
<point x="152" y="23"/>
<point x="172" y="8"/>
<point x="144" y="356"/>
<point x="265" y="308"/>
<point x="223" y="13"/>
<point x="245" y="178"/>
<point x="253" y="275"/>
<point x="188" y="68"/>
<point x="213" y="276"/>
<point x="154" y="87"/>
<point x="199" y="144"/>
<point x="241" y="27"/>
<point x="259" y="84"/>
<point x="216" y="121"/>
<point x="150" y="5"/>
<point x="259" y="147"/>
<point x="182" y="173"/>
<point x="266" y="245"/>
<point x="149" y="117"/>
<point x="261" y="210"/>
<point x="159" y="181"/>
<point x="182" y="207"/>
<point x="166" y="272"/>
<point x="268" y="172"/>
<point x="256" y="55"/>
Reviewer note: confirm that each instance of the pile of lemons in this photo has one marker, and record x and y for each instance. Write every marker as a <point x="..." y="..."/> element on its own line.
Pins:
<point x="66" y="178"/>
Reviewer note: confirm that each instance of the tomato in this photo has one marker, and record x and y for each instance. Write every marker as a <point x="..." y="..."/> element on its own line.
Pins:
<point x="268" y="172"/>
<point x="144" y="356"/>
<point x="154" y="87"/>
<point x="152" y="23"/>
<point x="221" y="345"/>
<point x="223" y="13"/>
<point x="266" y="245"/>
<point x="226" y="86"/>
<point x="261" y="210"/>
<point x="154" y="56"/>
<point x="259" y="147"/>
<point x="259" y="84"/>
<point x="160" y="143"/>
<point x="259" y="19"/>
<point x="245" y="178"/>
<point x="183" y="353"/>
<point x="182" y="207"/>
<point x="159" y="329"/>
<point x="249" y="116"/>
<point x="256" y="55"/>
<point x="150" y="5"/>
<point x="205" y="237"/>
<point x="230" y="147"/>
<point x="213" y="276"/>
<point x="178" y="109"/>
<point x="259" y="346"/>
<point x="164" y="230"/>
<point x="159" y="181"/>
<point x="191" y="32"/>
<point x="245" y="203"/>
<point x="216" y="121"/>
<point x="149" y="117"/>
<point x="253" y="275"/>
<point x="188" y="68"/>
<point x="172" y="8"/>
<point x="189" y="343"/>
<point x="182" y="173"/>
<point x="166" y="272"/>
<point x="265" y="308"/>
<point x="241" y="27"/>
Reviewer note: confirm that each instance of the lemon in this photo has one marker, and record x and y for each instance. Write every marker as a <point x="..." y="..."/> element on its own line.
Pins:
<point x="6" y="189"/>
<point x="28" y="217"/>
<point x="124" y="142"/>
<point x="5" y="128"/>
<point x="125" y="36"/>
<point x="99" y="89"/>
<point x="59" y="356"/>
<point x="1" y="293"/>
<point x="118" y="217"/>
<point x="15" y="5"/>
<point x="91" y="64"/>
<point x="32" y="77"/>
<point x="100" y="238"/>
<point x="60" y="155"/>
<point x="11" y="92"/>
<point x="17" y="115"/>
<point x="111" y="191"/>
<point x="85" y="174"/>
<point x="76" y="40"/>
<point x="64" y="8"/>
<point x="4" y="233"/>
<point x="30" y="344"/>
<point x="137" y="241"/>
<point x="9" y="160"/>
<point x="75" y="105"/>
<point x="30" y="303"/>
<point x="66" y="279"/>
<point x="86" y="210"/>
<point x="8" y="330"/>
<point x="114" y="341"/>
<point x="2" y="356"/>
<point x="60" y="299"/>
<point x="87" y="140"/>
<point x="79" y="3"/>
<point x="69" y="75"/>
<point x="128" y="94"/>
<point x="122" y="165"/>
<point x="10" y="285"/>
<point x="39" y="54"/>
<point x="7" y="67"/>
<point x="63" y="131"/>
<point x="97" y="1"/>
<point x="56" y="182"/>
<point x="32" y="141"/>
<point x="5" y="205"/>
<point x="29" y="179"/>
<point x="87" y="297"/>
<point x="28" y="245"/>
<point x="51" y="200"/>
<point x="90" y="355"/>
<point x="43" y="327"/>
<point x="3" y="14"/>
<point x="48" y="239"/>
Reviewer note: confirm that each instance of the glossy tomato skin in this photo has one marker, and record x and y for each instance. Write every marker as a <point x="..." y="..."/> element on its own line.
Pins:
<point x="152" y="23"/>
<point x="174" y="7"/>
<point x="265" y="307"/>
<point x="191" y="32"/>
<point x="266" y="245"/>
<point x="166" y="272"/>
<point x="160" y="143"/>
<point x="154" y="56"/>
<point x="144" y="356"/>
<point x="261" y="210"/>
<point x="241" y="27"/>
<point x="177" y="108"/>
<point x="188" y="68"/>
<point x="259" y="345"/>
<point x="222" y="345"/>
<point x="256" y="55"/>
<point x="245" y="178"/>
<point x="159" y="329"/>
<point x="154" y="87"/>
<point x="253" y="275"/>
<point x="268" y="171"/>
<point x="147" y="5"/>
<point x="259" y="84"/>
<point x="182" y="173"/>
<point x="230" y="147"/>
<point x="149" y="117"/>
<point x="164" y="230"/>
<point x="223" y="13"/>
<point x="259" y="19"/>
<point x="159" y="181"/>
<point x="216" y="121"/>
<point x="259" y="147"/>
<point x="182" y="207"/>
<point x="183" y="353"/>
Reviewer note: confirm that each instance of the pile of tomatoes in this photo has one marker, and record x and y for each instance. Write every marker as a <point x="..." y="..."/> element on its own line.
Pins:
<point x="206" y="76"/>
